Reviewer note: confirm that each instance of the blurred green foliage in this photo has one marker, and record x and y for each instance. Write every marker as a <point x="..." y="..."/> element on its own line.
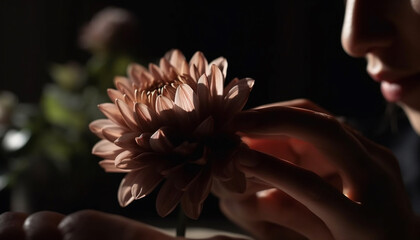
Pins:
<point x="45" y="151"/>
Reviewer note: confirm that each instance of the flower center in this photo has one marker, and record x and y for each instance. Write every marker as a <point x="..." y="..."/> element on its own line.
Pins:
<point x="151" y="91"/>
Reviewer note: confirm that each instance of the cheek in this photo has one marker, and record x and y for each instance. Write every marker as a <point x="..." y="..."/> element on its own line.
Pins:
<point x="416" y="6"/>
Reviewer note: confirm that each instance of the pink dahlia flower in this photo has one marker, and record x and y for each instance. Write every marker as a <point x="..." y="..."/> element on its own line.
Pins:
<point x="169" y="124"/>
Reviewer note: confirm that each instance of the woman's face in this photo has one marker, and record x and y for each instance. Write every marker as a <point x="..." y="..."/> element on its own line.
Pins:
<point x="387" y="34"/>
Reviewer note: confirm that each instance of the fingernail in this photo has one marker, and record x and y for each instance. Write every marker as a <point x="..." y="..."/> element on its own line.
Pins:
<point x="246" y="158"/>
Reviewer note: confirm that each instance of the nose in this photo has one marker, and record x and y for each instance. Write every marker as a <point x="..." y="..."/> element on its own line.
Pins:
<point x="366" y="27"/>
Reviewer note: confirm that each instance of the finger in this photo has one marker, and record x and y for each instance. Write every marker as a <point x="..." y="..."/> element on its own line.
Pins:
<point x="11" y="226"/>
<point x="324" y="132"/>
<point x="293" y="150"/>
<point x="258" y="228"/>
<point x="274" y="206"/>
<point x="89" y="224"/>
<point x="381" y="154"/>
<point x="319" y="197"/>
<point x="252" y="186"/>
<point x="43" y="225"/>
<point x="298" y="103"/>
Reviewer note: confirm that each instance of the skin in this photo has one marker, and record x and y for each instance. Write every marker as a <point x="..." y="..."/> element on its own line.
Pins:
<point x="371" y="202"/>
<point x="82" y="225"/>
<point x="310" y="176"/>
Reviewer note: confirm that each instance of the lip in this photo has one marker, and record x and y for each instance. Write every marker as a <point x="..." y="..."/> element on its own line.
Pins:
<point x="395" y="86"/>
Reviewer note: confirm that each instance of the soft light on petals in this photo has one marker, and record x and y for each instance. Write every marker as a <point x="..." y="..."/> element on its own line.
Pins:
<point x="216" y="83"/>
<point x="134" y="72"/>
<point x="159" y="141"/>
<point x="124" y="85"/>
<point x="124" y="156"/>
<point x="144" y="183"/>
<point x="111" y="112"/>
<point x="109" y="166"/>
<point x="167" y="199"/>
<point x="112" y="133"/>
<point x="164" y="108"/>
<point x="156" y="72"/>
<point x="230" y="85"/>
<point x="114" y="94"/>
<point x="128" y="141"/>
<point x="143" y="140"/>
<point x="145" y="116"/>
<point x="97" y="126"/>
<point x="186" y="98"/>
<point x="141" y="161"/>
<point x="177" y="59"/>
<point x="200" y="62"/>
<point x="238" y="95"/>
<point x="221" y="63"/>
<point x="172" y="122"/>
<point x="106" y="149"/>
<point x="167" y="69"/>
<point x="203" y="93"/>
<point x="125" y="196"/>
<point x="127" y="114"/>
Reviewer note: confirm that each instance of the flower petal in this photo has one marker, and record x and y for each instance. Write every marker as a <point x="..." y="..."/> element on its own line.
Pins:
<point x="186" y="98"/>
<point x="177" y="59"/>
<point x="168" y="70"/>
<point x="106" y="149"/>
<point x="97" y="126"/>
<point x="200" y="61"/>
<point x="125" y="196"/>
<point x="128" y="141"/>
<point x="112" y="133"/>
<point x="182" y="176"/>
<point x="221" y="63"/>
<point x="169" y="91"/>
<point x="156" y="72"/>
<point x="160" y="142"/>
<point x="127" y="114"/>
<point x="114" y="94"/>
<point x="134" y="72"/>
<point x="203" y="93"/>
<point x="125" y="87"/>
<point x="230" y="85"/>
<point x="112" y="113"/>
<point x="193" y="199"/>
<point x="143" y="140"/>
<point x="143" y="160"/>
<point x="237" y="181"/>
<point x="237" y="96"/>
<point x="109" y="166"/>
<point x="205" y="128"/>
<point x="167" y="198"/>
<point x="194" y="73"/>
<point x="216" y="84"/>
<point x="144" y="183"/>
<point x="164" y="108"/>
<point x="146" y="118"/>
<point x="146" y="80"/>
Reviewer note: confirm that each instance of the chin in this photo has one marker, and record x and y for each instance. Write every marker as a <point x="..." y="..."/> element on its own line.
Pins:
<point x="413" y="114"/>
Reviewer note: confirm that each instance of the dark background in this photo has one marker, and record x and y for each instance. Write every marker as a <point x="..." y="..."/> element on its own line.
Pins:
<point x="290" y="47"/>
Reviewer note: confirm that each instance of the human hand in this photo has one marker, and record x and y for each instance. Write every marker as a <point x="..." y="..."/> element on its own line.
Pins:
<point x="82" y="225"/>
<point x="323" y="180"/>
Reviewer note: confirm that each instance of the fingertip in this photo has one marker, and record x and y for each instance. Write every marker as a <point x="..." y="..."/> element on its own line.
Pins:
<point x="43" y="225"/>
<point x="11" y="225"/>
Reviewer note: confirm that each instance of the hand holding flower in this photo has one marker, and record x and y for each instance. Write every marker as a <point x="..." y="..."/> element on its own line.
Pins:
<point x="357" y="195"/>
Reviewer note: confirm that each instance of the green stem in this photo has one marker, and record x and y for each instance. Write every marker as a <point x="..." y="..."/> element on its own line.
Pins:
<point x="181" y="223"/>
